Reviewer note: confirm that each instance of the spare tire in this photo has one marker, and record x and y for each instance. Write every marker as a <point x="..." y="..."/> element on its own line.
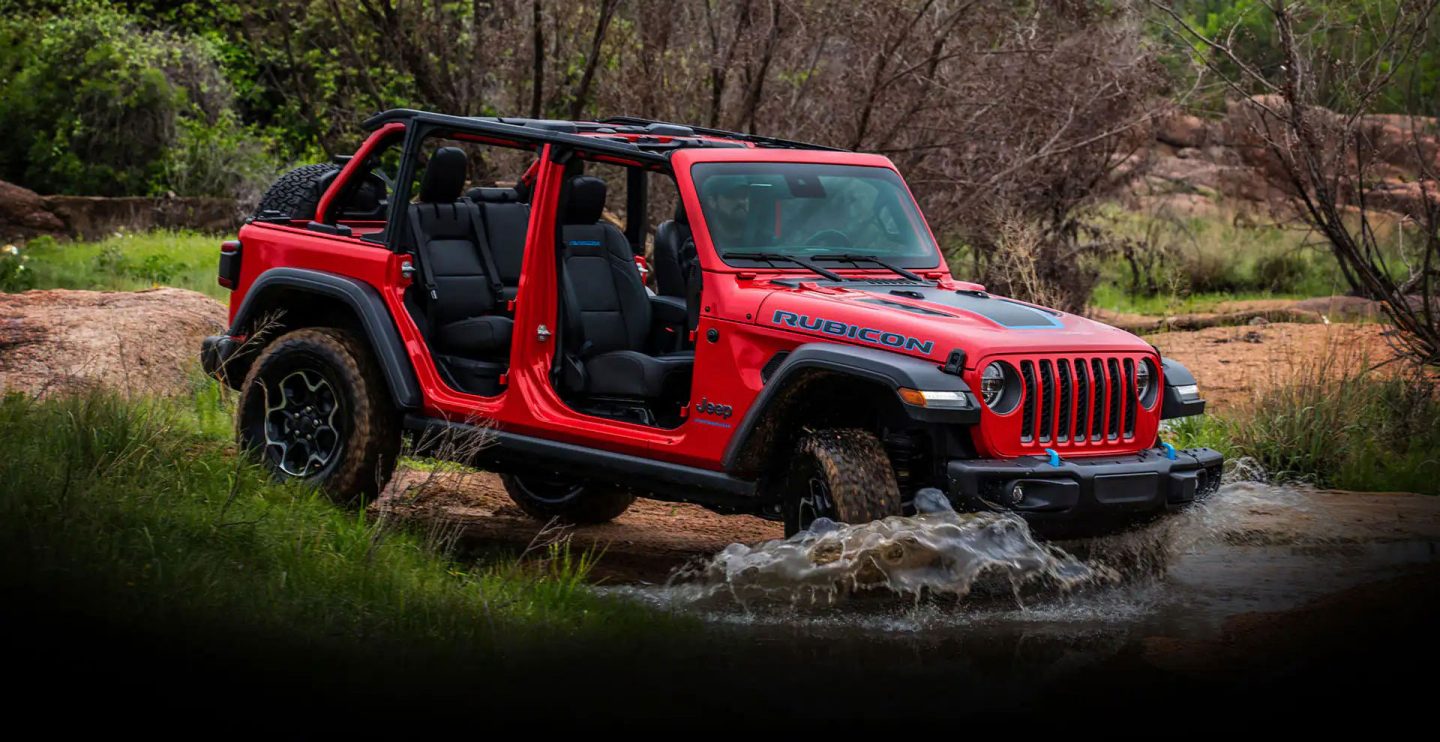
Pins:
<point x="296" y="194"/>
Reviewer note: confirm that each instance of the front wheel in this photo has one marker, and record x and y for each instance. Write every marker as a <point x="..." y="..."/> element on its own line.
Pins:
<point x="547" y="498"/>
<point x="314" y="407"/>
<point x="842" y="474"/>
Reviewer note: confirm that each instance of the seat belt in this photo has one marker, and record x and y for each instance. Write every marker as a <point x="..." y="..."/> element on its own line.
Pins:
<point x="426" y="275"/>
<point x="497" y="286"/>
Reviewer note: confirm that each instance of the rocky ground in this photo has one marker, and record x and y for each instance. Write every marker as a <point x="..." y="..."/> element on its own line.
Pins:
<point x="143" y="342"/>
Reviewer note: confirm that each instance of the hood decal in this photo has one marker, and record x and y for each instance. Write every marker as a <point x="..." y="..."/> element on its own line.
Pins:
<point x="1011" y="315"/>
<point x="870" y="335"/>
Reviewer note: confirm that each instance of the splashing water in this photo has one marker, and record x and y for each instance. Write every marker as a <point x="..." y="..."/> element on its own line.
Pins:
<point x="935" y="552"/>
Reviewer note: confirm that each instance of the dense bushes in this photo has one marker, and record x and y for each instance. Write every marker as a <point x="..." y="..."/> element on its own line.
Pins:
<point x="93" y="104"/>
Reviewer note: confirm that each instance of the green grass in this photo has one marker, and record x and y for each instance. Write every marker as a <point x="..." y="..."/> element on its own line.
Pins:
<point x="141" y="511"/>
<point x="128" y="262"/>
<point x="1202" y="261"/>
<point x="1353" y="430"/>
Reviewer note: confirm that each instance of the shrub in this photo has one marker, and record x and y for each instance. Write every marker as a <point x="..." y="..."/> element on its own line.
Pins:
<point x="93" y="104"/>
<point x="1336" y="423"/>
<point x="14" y="274"/>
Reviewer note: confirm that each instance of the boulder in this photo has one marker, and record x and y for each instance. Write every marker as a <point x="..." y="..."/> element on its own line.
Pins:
<point x="24" y="214"/>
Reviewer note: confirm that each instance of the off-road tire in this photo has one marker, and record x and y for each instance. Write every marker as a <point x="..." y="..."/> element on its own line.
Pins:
<point x="565" y="501"/>
<point x="297" y="193"/>
<point x="853" y="468"/>
<point x="365" y="421"/>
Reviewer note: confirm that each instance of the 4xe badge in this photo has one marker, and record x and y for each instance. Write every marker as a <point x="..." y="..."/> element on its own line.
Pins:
<point x="706" y="407"/>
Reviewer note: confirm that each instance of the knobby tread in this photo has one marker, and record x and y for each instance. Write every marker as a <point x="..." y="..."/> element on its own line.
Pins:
<point x="373" y="445"/>
<point x="861" y="479"/>
<point x="296" y="193"/>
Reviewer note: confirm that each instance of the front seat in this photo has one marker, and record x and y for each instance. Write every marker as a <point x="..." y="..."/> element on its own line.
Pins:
<point x="677" y="266"/>
<point x="607" y="310"/>
<point x="462" y="304"/>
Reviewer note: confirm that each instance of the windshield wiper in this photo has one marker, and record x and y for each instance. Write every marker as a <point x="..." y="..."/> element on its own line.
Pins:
<point x="803" y="263"/>
<point x="853" y="258"/>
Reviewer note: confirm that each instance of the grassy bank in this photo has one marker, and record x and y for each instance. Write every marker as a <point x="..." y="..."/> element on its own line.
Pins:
<point x="140" y="512"/>
<point x="126" y="262"/>
<point x="1335" y="424"/>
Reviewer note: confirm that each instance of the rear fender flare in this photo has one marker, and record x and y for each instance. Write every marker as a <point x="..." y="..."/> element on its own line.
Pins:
<point x="367" y="305"/>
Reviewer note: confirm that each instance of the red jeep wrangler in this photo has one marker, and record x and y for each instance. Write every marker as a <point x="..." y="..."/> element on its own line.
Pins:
<point x="803" y="352"/>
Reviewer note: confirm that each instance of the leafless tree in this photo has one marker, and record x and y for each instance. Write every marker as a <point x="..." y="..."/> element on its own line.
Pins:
<point x="1329" y="159"/>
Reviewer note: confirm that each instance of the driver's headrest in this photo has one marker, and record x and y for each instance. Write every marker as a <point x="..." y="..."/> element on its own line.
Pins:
<point x="444" y="176"/>
<point x="586" y="202"/>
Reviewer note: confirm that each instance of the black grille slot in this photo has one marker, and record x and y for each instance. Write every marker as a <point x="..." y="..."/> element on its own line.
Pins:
<point x="1047" y="401"/>
<point x="1097" y="386"/>
<point x="1082" y="399"/>
<point x="1112" y="427"/>
<point x="1027" y="423"/>
<point x="1062" y="370"/>
<point x="1131" y="399"/>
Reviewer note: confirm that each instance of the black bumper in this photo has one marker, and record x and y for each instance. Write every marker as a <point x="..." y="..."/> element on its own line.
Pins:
<point x="215" y="354"/>
<point x="1079" y="493"/>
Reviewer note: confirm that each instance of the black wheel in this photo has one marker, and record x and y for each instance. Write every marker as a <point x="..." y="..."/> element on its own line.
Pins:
<point x="842" y="474"/>
<point x="297" y="193"/>
<point x="315" y="407"/>
<point x="546" y="498"/>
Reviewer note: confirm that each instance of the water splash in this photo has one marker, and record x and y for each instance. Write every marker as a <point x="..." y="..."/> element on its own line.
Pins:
<point x="936" y="552"/>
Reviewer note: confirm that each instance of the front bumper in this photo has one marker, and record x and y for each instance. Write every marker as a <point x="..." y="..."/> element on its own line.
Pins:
<point x="1091" y="493"/>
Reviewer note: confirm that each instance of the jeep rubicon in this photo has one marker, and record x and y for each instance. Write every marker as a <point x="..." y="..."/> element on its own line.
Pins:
<point x="803" y="350"/>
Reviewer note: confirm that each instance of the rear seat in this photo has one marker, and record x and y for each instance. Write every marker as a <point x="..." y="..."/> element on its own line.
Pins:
<point x="507" y="218"/>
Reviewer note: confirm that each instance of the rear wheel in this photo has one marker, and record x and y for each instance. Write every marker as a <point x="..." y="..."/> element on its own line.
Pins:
<point x="842" y="474"/>
<point x="314" y="407"/>
<point x="547" y="498"/>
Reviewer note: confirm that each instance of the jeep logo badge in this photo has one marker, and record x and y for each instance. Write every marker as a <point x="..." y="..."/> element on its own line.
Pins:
<point x="706" y="407"/>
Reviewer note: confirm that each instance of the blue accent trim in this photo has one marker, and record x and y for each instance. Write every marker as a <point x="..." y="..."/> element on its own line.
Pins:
<point x="585" y="243"/>
<point x="1169" y="450"/>
<point x="1054" y="457"/>
<point x="712" y="422"/>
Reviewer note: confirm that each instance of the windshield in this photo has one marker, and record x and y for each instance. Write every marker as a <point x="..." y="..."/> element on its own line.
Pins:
<point x="811" y="211"/>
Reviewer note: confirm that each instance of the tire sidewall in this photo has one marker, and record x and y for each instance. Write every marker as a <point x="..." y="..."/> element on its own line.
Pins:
<point x="328" y="353"/>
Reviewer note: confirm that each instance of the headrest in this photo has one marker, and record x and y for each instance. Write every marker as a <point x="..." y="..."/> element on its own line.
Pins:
<point x="680" y="217"/>
<point x="587" y="200"/>
<point x="493" y="195"/>
<point x="444" y="176"/>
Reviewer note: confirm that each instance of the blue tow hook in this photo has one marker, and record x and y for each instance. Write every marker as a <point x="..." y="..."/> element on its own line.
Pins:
<point x="1169" y="450"/>
<point x="1054" y="457"/>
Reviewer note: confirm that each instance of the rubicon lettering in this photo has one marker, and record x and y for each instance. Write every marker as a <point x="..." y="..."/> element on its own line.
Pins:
<point x="841" y="329"/>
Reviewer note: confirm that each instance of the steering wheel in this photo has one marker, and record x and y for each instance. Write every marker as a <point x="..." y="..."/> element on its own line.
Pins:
<point x="830" y="236"/>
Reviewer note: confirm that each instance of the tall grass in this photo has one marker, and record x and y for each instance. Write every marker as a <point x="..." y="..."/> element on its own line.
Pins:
<point x="123" y="262"/>
<point x="140" y="512"/>
<point x="1336" y="423"/>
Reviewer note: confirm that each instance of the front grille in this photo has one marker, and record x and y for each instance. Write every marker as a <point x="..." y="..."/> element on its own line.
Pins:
<point x="1068" y="402"/>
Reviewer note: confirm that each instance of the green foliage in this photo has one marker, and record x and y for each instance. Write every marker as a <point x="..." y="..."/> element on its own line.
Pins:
<point x="15" y="274"/>
<point x="125" y="262"/>
<point x="1335" y="427"/>
<point x="94" y="104"/>
<point x="141" y="510"/>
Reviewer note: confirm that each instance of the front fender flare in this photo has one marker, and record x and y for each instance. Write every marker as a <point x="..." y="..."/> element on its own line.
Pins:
<point x="891" y="370"/>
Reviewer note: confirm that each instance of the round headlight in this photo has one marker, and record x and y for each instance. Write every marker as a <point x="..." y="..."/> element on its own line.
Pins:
<point x="1144" y="383"/>
<point x="992" y="384"/>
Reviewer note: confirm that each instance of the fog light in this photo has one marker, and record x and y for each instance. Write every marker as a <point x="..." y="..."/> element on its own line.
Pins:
<point x="1017" y="493"/>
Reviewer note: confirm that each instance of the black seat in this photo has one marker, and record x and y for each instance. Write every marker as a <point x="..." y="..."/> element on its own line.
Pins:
<point x="507" y="218"/>
<point x="677" y="266"/>
<point x="607" y="310"/>
<point x="462" y="306"/>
